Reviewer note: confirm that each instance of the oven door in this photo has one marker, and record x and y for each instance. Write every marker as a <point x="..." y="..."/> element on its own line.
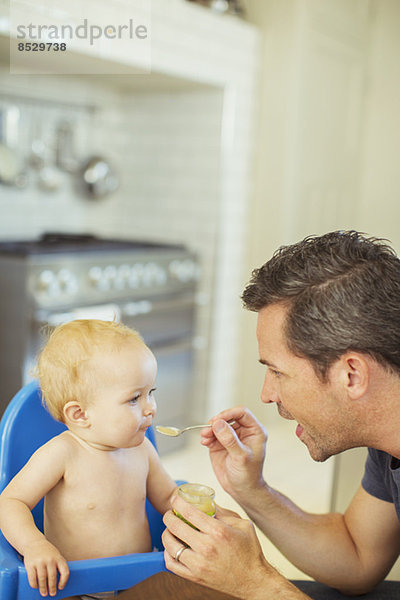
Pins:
<point x="174" y="389"/>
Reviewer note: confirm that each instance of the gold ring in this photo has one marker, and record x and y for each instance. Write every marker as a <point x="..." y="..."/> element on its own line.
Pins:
<point x="179" y="552"/>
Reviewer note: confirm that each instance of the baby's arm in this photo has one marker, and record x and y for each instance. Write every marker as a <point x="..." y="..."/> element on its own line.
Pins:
<point x="42" y="560"/>
<point x="160" y="486"/>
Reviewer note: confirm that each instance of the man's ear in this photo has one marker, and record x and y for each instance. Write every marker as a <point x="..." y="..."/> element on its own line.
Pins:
<point x="75" y="415"/>
<point x="355" y="374"/>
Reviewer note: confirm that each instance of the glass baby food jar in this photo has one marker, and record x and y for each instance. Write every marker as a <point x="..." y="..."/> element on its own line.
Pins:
<point x="200" y="496"/>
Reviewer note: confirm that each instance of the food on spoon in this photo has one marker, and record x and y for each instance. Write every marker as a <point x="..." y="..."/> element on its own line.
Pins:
<point x="172" y="431"/>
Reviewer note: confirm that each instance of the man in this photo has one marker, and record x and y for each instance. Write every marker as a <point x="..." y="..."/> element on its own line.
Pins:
<point x="328" y="333"/>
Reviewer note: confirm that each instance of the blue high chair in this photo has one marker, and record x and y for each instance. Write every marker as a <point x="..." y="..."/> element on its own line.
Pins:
<point x="25" y="426"/>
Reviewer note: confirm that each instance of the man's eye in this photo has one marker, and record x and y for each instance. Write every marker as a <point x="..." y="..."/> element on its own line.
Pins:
<point x="134" y="400"/>
<point x="275" y="373"/>
<point x="152" y="391"/>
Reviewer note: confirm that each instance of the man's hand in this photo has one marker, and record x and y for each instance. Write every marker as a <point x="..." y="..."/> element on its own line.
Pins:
<point x="222" y="542"/>
<point x="43" y="562"/>
<point x="224" y="554"/>
<point x="236" y="452"/>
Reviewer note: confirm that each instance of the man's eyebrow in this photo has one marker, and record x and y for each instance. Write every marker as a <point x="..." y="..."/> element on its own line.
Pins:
<point x="267" y="364"/>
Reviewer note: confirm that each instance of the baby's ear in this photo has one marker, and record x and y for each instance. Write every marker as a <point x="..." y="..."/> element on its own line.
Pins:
<point x="74" y="414"/>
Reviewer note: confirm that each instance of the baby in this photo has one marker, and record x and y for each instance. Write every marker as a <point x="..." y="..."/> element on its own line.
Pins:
<point x="98" y="378"/>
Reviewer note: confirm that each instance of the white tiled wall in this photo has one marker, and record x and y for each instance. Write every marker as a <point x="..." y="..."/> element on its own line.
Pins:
<point x="184" y="156"/>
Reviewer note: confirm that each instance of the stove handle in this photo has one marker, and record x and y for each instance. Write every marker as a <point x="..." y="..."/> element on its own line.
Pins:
<point x="131" y="309"/>
<point x="108" y="312"/>
<point x="104" y="312"/>
<point x="139" y="307"/>
<point x="143" y="307"/>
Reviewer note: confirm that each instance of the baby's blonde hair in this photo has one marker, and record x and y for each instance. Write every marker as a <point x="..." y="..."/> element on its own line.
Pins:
<point x="65" y="369"/>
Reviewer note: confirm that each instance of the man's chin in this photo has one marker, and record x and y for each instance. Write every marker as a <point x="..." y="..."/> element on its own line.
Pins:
<point x="318" y="454"/>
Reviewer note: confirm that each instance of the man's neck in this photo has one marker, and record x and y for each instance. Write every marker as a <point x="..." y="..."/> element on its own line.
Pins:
<point x="382" y="423"/>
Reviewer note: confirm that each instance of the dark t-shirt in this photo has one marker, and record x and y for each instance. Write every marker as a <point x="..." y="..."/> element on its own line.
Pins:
<point x="382" y="477"/>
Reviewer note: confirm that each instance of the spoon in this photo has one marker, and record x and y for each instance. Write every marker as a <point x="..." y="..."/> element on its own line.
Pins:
<point x="175" y="431"/>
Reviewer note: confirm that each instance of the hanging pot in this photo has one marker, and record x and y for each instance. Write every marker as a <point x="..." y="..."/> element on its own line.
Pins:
<point x="95" y="176"/>
<point x="98" y="177"/>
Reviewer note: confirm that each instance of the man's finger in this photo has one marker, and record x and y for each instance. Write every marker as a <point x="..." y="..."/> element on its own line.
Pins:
<point x="192" y="515"/>
<point x="241" y="414"/>
<point x="222" y="513"/>
<point x="177" y="566"/>
<point x="227" y="437"/>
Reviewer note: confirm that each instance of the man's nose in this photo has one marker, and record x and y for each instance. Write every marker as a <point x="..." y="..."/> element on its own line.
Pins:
<point x="269" y="393"/>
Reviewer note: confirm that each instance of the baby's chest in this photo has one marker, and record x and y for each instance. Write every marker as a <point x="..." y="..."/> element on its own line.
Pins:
<point x="108" y="482"/>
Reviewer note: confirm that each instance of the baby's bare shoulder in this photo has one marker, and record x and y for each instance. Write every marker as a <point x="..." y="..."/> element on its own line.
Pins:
<point x="44" y="468"/>
<point x="60" y="445"/>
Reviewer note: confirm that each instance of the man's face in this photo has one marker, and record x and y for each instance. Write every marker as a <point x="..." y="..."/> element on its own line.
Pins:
<point x="291" y="382"/>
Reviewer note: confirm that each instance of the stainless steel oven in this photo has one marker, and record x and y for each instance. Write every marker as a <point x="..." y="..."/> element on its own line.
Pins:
<point x="151" y="287"/>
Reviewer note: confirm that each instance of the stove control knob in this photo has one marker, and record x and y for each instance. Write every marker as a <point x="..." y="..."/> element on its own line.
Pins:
<point x="95" y="274"/>
<point x="122" y="278"/>
<point x="153" y="274"/>
<point x="109" y="276"/>
<point x="97" y="279"/>
<point x="136" y="275"/>
<point x="67" y="281"/>
<point x="47" y="283"/>
<point x="174" y="268"/>
<point x="45" y="279"/>
<point x="161" y="276"/>
<point x="184" y="270"/>
<point x="158" y="274"/>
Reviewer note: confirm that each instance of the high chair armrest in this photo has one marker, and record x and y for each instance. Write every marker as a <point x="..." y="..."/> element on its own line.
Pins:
<point x="98" y="575"/>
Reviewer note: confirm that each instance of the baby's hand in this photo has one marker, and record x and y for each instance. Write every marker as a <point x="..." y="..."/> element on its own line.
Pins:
<point x="43" y="562"/>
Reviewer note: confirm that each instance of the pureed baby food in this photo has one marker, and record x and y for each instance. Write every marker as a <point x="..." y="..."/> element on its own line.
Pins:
<point x="200" y="496"/>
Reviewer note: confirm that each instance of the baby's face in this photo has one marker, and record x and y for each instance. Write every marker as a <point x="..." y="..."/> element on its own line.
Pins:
<point x="123" y="406"/>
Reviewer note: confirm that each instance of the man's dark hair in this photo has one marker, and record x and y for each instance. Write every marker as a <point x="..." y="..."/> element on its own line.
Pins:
<point x="342" y="290"/>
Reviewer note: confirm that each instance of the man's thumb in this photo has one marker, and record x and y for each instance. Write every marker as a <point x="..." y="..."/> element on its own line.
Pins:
<point x="226" y="436"/>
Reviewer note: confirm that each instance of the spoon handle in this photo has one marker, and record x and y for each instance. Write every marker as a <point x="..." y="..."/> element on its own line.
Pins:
<point x="196" y="427"/>
<point x="206" y="425"/>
